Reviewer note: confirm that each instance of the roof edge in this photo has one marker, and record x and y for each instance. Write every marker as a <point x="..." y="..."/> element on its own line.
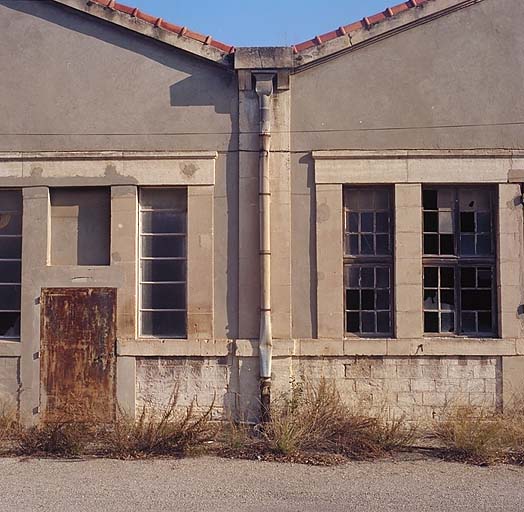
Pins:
<point x="155" y="28"/>
<point x="387" y="23"/>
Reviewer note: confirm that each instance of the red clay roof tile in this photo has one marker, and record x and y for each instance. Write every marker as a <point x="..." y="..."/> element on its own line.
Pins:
<point x="367" y="23"/>
<point x="163" y="25"/>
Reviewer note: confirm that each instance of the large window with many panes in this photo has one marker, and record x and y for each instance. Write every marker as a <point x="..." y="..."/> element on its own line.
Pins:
<point x="10" y="263"/>
<point x="163" y="265"/>
<point x="459" y="261"/>
<point x="368" y="261"/>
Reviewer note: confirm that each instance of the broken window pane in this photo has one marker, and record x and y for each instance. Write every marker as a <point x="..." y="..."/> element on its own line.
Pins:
<point x="447" y="322"/>
<point x="430" y="299"/>
<point x="366" y="296"/>
<point x="9" y="325"/>
<point x="446" y="245"/>
<point x="467" y="222"/>
<point x="439" y="299"/>
<point x="477" y="300"/>
<point x="447" y="277"/>
<point x="431" y="245"/>
<point x="431" y="222"/>
<point x="431" y="323"/>
<point x="430" y="200"/>
<point x="431" y="277"/>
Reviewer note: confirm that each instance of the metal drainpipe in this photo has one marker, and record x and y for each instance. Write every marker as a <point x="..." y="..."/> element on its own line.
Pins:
<point x="264" y="90"/>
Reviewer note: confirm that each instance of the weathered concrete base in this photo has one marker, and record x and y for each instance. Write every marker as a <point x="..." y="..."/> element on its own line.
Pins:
<point x="415" y="388"/>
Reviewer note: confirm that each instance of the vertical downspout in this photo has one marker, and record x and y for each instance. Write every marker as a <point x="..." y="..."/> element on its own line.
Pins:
<point x="264" y="90"/>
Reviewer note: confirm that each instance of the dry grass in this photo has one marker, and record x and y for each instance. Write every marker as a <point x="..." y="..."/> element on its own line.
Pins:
<point x="9" y="424"/>
<point x="164" y="431"/>
<point x="65" y="438"/>
<point x="472" y="434"/>
<point x="316" y="422"/>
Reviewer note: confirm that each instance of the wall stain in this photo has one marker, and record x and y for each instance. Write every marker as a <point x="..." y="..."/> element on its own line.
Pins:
<point x="189" y="170"/>
<point x="323" y="212"/>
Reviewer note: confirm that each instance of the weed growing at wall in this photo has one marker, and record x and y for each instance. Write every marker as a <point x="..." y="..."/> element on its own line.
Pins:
<point x="159" y="431"/>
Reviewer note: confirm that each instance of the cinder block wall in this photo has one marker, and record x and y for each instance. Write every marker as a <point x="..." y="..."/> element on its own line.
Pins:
<point x="417" y="388"/>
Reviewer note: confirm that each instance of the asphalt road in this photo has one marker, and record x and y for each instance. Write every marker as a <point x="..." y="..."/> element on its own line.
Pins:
<point x="212" y="484"/>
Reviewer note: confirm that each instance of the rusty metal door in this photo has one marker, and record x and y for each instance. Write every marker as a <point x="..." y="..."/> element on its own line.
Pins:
<point x="78" y="353"/>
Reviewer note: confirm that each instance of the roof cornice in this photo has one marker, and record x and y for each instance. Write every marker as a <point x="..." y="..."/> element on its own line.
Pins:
<point x="155" y="28"/>
<point x="374" y="28"/>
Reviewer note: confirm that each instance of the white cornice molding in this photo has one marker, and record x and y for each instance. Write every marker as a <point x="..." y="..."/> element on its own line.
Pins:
<point x="419" y="166"/>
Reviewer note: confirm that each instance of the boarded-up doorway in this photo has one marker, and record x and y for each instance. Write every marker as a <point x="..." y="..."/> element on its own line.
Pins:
<point x="78" y="353"/>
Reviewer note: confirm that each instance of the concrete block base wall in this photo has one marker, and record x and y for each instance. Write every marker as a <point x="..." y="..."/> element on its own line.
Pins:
<point x="417" y="388"/>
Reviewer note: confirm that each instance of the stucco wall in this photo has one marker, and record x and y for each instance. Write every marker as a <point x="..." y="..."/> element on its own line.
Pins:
<point x="9" y="379"/>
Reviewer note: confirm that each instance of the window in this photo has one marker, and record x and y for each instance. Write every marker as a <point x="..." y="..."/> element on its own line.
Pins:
<point x="163" y="239"/>
<point x="10" y="263"/>
<point x="368" y="260"/>
<point x="459" y="261"/>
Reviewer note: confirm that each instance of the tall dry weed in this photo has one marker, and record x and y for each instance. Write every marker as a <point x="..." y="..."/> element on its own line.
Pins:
<point x="167" y="430"/>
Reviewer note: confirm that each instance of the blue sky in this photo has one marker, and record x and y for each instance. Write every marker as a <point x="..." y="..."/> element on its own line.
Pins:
<point x="246" y="23"/>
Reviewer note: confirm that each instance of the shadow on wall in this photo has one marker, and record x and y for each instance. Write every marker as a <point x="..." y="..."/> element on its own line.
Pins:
<point x="199" y="83"/>
<point x="203" y="87"/>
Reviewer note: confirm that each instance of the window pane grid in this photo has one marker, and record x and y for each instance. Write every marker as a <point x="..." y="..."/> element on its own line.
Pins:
<point x="368" y="299"/>
<point x="163" y="262"/>
<point x="10" y="263"/>
<point x="368" y="261"/>
<point x="459" y="282"/>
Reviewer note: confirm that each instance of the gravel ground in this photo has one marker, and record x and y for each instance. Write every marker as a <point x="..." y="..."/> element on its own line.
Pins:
<point x="215" y="484"/>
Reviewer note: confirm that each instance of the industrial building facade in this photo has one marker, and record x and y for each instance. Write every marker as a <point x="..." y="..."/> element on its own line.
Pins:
<point x="175" y="212"/>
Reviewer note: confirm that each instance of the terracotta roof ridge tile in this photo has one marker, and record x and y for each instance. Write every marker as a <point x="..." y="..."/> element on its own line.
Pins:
<point x="159" y="23"/>
<point x="366" y="23"/>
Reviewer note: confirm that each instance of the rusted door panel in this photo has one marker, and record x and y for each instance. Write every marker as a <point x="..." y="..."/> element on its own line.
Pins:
<point x="78" y="353"/>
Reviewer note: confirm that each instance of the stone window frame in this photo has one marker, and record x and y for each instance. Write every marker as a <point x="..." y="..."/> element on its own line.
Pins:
<point x="407" y="171"/>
